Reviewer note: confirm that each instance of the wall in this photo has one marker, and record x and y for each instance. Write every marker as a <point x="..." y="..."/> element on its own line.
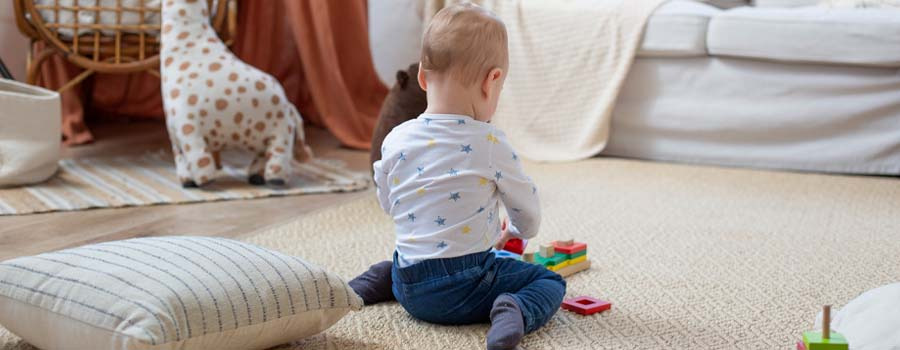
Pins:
<point x="13" y="45"/>
<point x="395" y="34"/>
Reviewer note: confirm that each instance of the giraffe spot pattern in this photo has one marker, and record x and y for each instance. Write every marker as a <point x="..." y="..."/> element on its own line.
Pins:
<point x="213" y="115"/>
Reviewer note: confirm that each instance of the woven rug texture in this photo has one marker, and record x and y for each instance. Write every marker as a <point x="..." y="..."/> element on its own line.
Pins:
<point x="691" y="257"/>
<point x="150" y="179"/>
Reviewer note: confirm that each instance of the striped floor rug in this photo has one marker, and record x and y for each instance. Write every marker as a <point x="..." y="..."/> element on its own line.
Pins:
<point x="150" y="179"/>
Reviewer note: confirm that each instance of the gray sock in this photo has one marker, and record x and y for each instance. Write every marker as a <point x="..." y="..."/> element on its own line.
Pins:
<point x="507" y="324"/>
<point x="374" y="286"/>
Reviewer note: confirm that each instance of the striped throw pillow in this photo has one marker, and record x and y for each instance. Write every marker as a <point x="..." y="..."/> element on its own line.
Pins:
<point x="169" y="293"/>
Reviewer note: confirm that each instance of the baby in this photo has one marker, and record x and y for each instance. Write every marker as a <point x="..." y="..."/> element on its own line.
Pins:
<point x="442" y="177"/>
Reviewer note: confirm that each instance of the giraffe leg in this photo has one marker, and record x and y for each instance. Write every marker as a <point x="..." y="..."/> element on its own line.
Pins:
<point x="278" y="164"/>
<point x="256" y="171"/>
<point x="203" y="164"/>
<point x="182" y="167"/>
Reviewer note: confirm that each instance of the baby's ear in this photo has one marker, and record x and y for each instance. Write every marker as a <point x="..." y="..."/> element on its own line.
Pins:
<point x="402" y="79"/>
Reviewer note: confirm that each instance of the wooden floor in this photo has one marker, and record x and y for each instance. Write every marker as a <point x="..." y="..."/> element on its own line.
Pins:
<point x="32" y="234"/>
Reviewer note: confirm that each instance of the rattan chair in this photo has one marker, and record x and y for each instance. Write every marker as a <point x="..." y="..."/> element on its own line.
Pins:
<point x="103" y="47"/>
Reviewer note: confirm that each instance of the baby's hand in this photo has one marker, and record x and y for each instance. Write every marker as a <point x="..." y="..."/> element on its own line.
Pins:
<point x="504" y="234"/>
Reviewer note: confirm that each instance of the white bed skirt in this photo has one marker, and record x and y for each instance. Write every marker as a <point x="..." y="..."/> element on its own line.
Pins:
<point x="760" y="114"/>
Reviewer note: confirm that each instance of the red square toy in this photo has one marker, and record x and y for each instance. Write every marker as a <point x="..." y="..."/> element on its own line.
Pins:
<point x="586" y="305"/>
<point x="514" y="245"/>
<point x="570" y="249"/>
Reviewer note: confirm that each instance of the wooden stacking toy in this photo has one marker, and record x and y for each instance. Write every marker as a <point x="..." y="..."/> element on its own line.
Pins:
<point x="825" y="340"/>
<point x="563" y="257"/>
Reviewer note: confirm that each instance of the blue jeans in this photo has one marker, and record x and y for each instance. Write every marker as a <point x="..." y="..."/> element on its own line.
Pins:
<point x="462" y="290"/>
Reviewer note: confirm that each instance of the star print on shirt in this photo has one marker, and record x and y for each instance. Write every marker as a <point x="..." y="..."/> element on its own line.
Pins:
<point x="411" y="217"/>
<point x="396" y="181"/>
<point x="498" y="175"/>
<point x="533" y="190"/>
<point x="431" y="142"/>
<point x="482" y="181"/>
<point x="466" y="229"/>
<point x="454" y="196"/>
<point x="421" y="191"/>
<point x="515" y="156"/>
<point x="427" y="121"/>
<point x="480" y="209"/>
<point x="420" y="170"/>
<point x="492" y="139"/>
<point x="460" y="122"/>
<point x="402" y="156"/>
<point x="440" y="221"/>
<point x="442" y="244"/>
<point x="516" y="210"/>
<point x="396" y="202"/>
<point x="466" y="148"/>
<point x="453" y="172"/>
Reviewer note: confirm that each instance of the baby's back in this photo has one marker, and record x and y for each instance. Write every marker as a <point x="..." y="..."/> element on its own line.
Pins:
<point x="441" y="188"/>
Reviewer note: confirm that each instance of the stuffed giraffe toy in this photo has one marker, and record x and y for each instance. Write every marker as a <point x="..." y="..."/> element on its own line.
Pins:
<point x="214" y="101"/>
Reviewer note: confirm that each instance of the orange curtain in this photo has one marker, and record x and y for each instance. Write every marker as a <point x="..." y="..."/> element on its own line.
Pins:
<point x="318" y="49"/>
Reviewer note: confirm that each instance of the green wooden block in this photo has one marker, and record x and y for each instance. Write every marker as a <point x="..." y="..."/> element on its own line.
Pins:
<point x="556" y="259"/>
<point x="576" y="254"/>
<point x="814" y="341"/>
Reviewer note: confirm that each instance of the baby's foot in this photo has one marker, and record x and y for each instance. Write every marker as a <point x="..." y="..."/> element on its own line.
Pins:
<point x="507" y="324"/>
<point x="374" y="286"/>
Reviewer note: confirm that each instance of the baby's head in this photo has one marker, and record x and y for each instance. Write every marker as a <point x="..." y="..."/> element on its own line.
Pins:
<point x="464" y="60"/>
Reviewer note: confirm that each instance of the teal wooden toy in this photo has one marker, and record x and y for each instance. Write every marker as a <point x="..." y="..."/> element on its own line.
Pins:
<point x="556" y="259"/>
<point x="826" y="339"/>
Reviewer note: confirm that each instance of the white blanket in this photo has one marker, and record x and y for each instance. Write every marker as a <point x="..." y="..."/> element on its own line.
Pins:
<point x="568" y="60"/>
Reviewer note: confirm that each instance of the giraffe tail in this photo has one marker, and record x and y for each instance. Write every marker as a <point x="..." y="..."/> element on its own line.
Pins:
<point x="302" y="152"/>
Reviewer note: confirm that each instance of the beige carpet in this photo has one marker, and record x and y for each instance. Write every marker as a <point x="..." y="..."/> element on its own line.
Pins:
<point x="150" y="179"/>
<point x="691" y="257"/>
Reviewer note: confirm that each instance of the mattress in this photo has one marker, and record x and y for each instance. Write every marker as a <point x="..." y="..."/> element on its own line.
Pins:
<point x="763" y="114"/>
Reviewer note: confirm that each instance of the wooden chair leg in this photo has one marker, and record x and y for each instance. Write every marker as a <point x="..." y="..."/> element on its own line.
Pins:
<point x="77" y="79"/>
<point x="33" y="65"/>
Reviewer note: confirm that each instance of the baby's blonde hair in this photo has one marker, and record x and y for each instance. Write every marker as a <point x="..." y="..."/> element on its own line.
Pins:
<point x="466" y="42"/>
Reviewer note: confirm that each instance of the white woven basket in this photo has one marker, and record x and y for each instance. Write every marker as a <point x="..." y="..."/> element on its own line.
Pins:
<point x="30" y="119"/>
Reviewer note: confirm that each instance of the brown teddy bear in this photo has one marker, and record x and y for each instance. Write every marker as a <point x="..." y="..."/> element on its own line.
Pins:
<point x="405" y="101"/>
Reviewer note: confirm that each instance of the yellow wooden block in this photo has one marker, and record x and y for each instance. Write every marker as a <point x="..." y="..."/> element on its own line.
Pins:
<point x="559" y="266"/>
<point x="577" y="260"/>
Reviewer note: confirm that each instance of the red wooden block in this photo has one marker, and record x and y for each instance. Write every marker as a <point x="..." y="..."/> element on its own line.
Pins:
<point x="572" y="249"/>
<point x="801" y="345"/>
<point x="586" y="305"/>
<point x="514" y="245"/>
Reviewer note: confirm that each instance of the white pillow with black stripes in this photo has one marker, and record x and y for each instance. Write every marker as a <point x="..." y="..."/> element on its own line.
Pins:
<point x="169" y="293"/>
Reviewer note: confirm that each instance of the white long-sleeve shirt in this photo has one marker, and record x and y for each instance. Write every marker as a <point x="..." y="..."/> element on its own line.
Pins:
<point x="442" y="178"/>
